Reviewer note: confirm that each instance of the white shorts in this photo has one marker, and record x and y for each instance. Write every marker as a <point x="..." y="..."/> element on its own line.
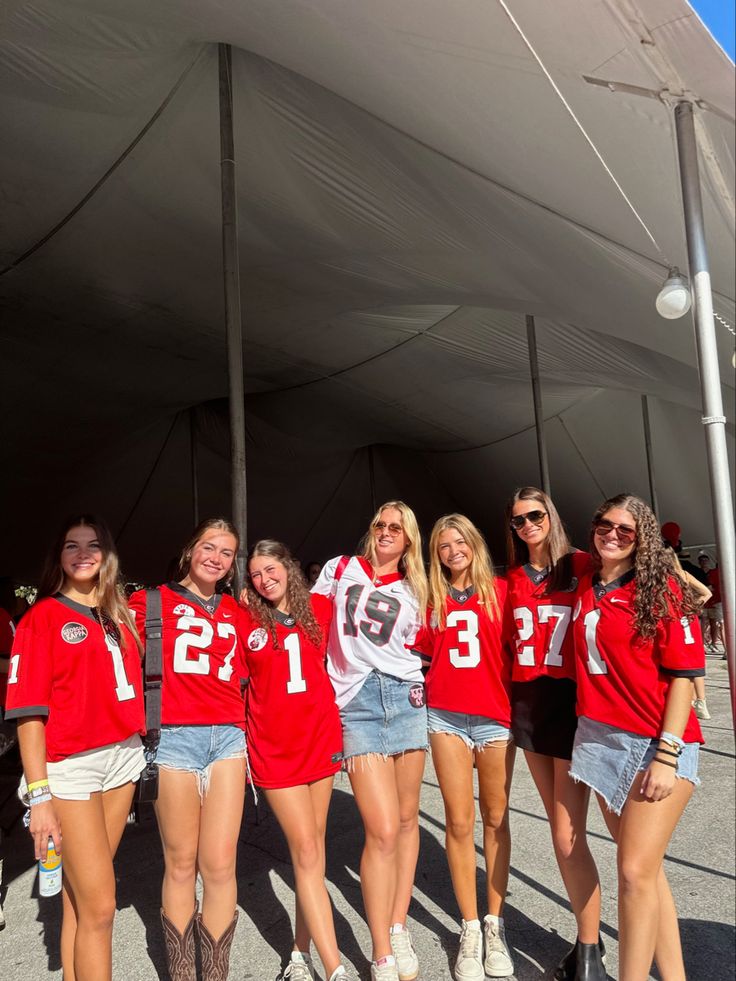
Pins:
<point x="95" y="770"/>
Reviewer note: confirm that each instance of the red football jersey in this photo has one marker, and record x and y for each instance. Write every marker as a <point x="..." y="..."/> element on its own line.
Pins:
<point x="7" y="632"/>
<point x="202" y="657"/>
<point x="84" y="680"/>
<point x="542" y="637"/>
<point x="471" y="658"/>
<point x="293" y="725"/>
<point x="622" y="679"/>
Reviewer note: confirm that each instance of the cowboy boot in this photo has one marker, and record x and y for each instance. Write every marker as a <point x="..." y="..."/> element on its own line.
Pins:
<point x="180" y="952"/>
<point x="565" y="970"/>
<point x="215" y="953"/>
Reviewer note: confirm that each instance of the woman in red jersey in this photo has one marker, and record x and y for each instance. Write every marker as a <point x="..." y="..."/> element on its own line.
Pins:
<point x="201" y="755"/>
<point x="75" y="688"/>
<point x="294" y="735"/>
<point x="469" y="718"/>
<point x="543" y="576"/>
<point x="638" y="647"/>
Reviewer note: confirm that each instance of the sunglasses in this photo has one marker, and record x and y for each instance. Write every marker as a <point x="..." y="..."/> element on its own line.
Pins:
<point x="392" y="529"/>
<point x="534" y="517"/>
<point x="625" y="533"/>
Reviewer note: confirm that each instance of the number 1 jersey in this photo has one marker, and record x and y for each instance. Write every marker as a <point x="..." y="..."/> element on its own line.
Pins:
<point x="201" y="654"/>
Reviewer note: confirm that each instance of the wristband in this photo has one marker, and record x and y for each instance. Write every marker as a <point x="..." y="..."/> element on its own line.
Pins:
<point x="665" y="762"/>
<point x="676" y="741"/>
<point x="40" y="799"/>
<point x="669" y="752"/>
<point x="36" y="784"/>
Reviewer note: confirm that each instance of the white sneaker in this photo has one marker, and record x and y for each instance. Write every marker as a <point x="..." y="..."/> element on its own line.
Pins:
<point x="407" y="962"/>
<point x="385" y="970"/>
<point x="701" y="709"/>
<point x="299" y="968"/>
<point x="469" y="963"/>
<point x="340" y="974"/>
<point x="498" y="963"/>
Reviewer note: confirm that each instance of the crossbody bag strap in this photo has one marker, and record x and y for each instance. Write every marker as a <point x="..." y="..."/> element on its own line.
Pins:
<point x="153" y="666"/>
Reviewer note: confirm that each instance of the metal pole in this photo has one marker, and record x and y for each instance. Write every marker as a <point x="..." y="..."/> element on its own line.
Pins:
<point x="231" y="277"/>
<point x="193" y="464"/>
<point x="710" y="382"/>
<point x="648" y="447"/>
<point x="531" y="336"/>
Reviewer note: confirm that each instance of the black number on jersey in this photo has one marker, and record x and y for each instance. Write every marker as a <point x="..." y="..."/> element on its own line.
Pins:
<point x="381" y="609"/>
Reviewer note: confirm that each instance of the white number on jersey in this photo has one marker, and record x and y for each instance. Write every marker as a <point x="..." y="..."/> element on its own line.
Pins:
<point x="184" y="664"/>
<point x="525" y="629"/>
<point x="13" y="672"/>
<point x="124" y="690"/>
<point x="296" y="682"/>
<point x="596" y="664"/>
<point x="467" y="620"/>
<point x="689" y="639"/>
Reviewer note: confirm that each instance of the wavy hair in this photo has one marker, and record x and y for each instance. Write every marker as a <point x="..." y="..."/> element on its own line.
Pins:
<point x="209" y="524"/>
<point x="654" y="568"/>
<point x="110" y="600"/>
<point x="297" y="594"/>
<point x="411" y="563"/>
<point x="481" y="567"/>
<point x="558" y="541"/>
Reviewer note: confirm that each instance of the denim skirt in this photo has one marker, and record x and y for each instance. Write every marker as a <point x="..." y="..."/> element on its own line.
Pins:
<point x="388" y="716"/>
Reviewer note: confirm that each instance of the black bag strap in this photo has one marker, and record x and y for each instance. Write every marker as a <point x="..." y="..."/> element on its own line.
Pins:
<point x="153" y="664"/>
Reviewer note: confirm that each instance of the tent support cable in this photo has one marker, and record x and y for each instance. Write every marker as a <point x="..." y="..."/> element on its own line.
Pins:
<point x="531" y="337"/>
<point x="650" y="460"/>
<point x="148" y="479"/>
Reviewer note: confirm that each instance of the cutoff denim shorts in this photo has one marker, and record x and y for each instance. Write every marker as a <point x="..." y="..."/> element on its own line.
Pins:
<point x="196" y="748"/>
<point x="476" y="731"/>
<point x="608" y="760"/>
<point x="387" y="717"/>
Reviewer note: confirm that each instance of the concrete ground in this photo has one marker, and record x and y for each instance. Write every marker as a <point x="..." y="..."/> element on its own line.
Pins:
<point x="700" y="866"/>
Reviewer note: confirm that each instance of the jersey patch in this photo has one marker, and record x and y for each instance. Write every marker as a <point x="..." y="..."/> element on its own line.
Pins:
<point x="74" y="633"/>
<point x="184" y="610"/>
<point x="416" y="696"/>
<point x="257" y="639"/>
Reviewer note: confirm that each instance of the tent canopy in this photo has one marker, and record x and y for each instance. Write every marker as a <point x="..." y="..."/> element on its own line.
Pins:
<point x="411" y="184"/>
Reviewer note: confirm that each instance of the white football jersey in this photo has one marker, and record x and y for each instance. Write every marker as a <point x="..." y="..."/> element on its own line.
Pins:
<point x="375" y="622"/>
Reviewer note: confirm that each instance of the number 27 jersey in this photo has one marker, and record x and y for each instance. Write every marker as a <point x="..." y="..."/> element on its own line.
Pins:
<point x="202" y="657"/>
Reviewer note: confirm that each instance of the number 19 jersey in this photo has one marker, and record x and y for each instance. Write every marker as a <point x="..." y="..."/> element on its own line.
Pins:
<point x="201" y="654"/>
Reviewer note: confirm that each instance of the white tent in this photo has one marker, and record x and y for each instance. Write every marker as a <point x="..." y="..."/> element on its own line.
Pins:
<point x="411" y="184"/>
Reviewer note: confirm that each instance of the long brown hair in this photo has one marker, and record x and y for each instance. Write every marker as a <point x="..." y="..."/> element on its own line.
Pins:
<point x="558" y="542"/>
<point x="297" y="593"/>
<point x="654" y="568"/>
<point x="410" y="563"/>
<point x="481" y="567"/>
<point x="218" y="524"/>
<point x="110" y="598"/>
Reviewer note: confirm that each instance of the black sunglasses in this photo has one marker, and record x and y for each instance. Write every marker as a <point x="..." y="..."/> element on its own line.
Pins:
<point x="535" y="517"/>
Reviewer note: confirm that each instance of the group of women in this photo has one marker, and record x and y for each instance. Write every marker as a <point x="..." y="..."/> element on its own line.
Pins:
<point x="583" y="660"/>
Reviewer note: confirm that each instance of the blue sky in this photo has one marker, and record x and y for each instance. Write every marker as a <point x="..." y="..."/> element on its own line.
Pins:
<point x="719" y="16"/>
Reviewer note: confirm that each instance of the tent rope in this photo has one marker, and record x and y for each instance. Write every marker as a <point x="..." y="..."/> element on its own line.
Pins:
<point x="584" y="132"/>
<point x="149" y="478"/>
<point x="109" y="172"/>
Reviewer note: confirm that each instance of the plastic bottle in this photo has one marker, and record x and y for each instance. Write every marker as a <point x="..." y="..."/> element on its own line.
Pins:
<point x="49" y="872"/>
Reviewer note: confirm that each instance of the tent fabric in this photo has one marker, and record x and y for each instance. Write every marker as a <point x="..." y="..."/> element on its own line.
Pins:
<point x="410" y="186"/>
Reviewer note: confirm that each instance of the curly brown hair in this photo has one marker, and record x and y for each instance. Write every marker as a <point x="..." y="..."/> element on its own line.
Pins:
<point x="655" y="571"/>
<point x="298" y="600"/>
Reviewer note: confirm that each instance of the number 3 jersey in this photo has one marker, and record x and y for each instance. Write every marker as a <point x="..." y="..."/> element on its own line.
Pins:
<point x="375" y="621"/>
<point x="471" y="658"/>
<point x="292" y="722"/>
<point x="201" y="654"/>
<point x="623" y="679"/>
<point x="543" y="643"/>
<point x="86" y="681"/>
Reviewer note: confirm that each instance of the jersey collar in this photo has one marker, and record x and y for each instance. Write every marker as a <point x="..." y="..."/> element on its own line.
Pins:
<point x="85" y="611"/>
<point x="600" y="590"/>
<point x="210" y="608"/>
<point x="462" y="595"/>
<point x="285" y="619"/>
<point x="537" y="576"/>
<point x="382" y="580"/>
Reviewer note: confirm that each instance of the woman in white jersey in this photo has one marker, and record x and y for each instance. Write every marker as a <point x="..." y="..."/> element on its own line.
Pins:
<point x="379" y="597"/>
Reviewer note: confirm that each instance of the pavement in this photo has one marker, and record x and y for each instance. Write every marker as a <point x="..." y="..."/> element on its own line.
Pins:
<point x="539" y="924"/>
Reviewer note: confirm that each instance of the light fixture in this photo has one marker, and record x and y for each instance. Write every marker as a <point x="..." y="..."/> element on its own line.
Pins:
<point x="674" y="298"/>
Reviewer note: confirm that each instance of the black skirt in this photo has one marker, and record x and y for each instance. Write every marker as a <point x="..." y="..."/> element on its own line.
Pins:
<point x="543" y="717"/>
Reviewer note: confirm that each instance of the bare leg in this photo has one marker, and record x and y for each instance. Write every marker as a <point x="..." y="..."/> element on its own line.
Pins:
<point x="495" y="769"/>
<point x="566" y="804"/>
<point x="408" y="773"/>
<point x="222" y="813"/>
<point x="178" y="813"/>
<point x="302" y="812"/>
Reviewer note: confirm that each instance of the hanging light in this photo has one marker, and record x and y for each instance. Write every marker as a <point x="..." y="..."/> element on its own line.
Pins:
<point x="674" y="298"/>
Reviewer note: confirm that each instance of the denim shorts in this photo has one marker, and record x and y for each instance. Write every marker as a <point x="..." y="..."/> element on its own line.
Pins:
<point x="608" y="760"/>
<point x="387" y="717"/>
<point x="476" y="731"/>
<point x="196" y="748"/>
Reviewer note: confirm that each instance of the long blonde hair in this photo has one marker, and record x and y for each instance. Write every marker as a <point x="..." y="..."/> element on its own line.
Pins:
<point x="110" y="599"/>
<point x="411" y="562"/>
<point x="481" y="567"/>
<point x="209" y="524"/>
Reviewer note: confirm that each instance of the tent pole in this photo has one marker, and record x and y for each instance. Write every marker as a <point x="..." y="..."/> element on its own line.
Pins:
<point x="648" y="447"/>
<point x="710" y="381"/>
<point x="231" y="278"/>
<point x="193" y="464"/>
<point x="531" y="336"/>
<point x="372" y="479"/>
